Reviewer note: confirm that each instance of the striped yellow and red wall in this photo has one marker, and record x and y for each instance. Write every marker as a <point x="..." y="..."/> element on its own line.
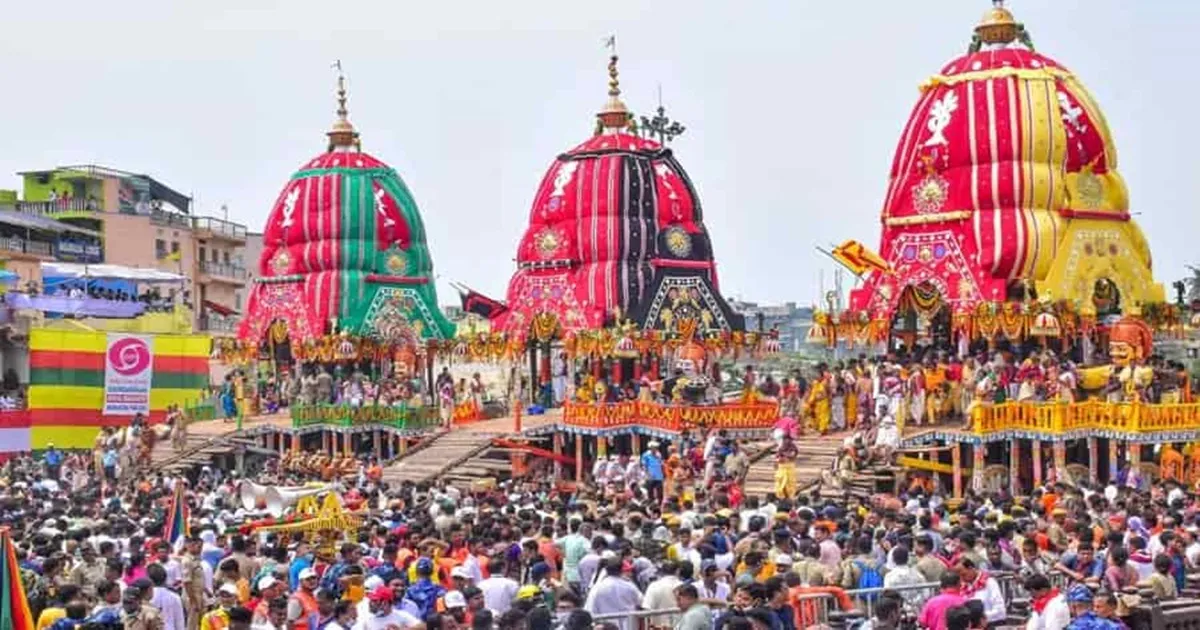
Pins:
<point x="66" y="383"/>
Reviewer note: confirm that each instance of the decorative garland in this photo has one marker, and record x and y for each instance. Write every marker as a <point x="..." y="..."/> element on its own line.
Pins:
<point x="605" y="343"/>
<point x="988" y="320"/>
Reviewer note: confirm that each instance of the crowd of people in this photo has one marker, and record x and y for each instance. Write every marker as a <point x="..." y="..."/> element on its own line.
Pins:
<point x="533" y="554"/>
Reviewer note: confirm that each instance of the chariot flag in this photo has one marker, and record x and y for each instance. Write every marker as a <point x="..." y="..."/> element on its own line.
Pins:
<point x="858" y="258"/>
<point x="175" y="526"/>
<point x="14" y="607"/>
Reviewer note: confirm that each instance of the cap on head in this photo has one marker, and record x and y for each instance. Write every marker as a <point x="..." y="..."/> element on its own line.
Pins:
<point x="1079" y="594"/>
<point x="382" y="594"/>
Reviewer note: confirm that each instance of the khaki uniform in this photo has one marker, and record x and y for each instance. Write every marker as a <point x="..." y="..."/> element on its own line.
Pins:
<point x="930" y="568"/>
<point x="811" y="572"/>
<point x="147" y="618"/>
<point x="87" y="576"/>
<point x="247" y="566"/>
<point x="194" y="597"/>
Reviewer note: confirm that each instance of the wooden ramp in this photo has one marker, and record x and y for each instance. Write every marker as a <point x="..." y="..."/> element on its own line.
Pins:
<point x="200" y="450"/>
<point x="441" y="454"/>
<point x="817" y="455"/>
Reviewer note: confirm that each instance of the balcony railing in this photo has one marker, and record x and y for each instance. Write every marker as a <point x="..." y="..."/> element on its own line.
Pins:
<point x="51" y="208"/>
<point x="675" y="418"/>
<point x="19" y="245"/>
<point x="223" y="270"/>
<point x="402" y="418"/>
<point x="158" y="216"/>
<point x="217" y="323"/>
<point x="1127" y="420"/>
<point x="221" y="227"/>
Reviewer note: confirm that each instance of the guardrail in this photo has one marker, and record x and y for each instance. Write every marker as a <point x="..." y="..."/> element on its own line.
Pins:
<point x="821" y="606"/>
<point x="159" y="216"/>
<point x="218" y="324"/>
<point x="670" y="417"/>
<point x="224" y="270"/>
<point x="21" y="246"/>
<point x="51" y="208"/>
<point x="221" y="227"/>
<point x="402" y="418"/>
<point x="1059" y="418"/>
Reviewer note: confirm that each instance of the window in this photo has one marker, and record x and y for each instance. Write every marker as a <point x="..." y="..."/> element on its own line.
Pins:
<point x="202" y="253"/>
<point x="174" y="247"/>
<point x="160" y="248"/>
<point x="237" y="300"/>
<point x="226" y="257"/>
<point x="214" y="256"/>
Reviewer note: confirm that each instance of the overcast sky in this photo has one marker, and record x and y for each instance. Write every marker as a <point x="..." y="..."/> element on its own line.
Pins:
<point x="793" y="107"/>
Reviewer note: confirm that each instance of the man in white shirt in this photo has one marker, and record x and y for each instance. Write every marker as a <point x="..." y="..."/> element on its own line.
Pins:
<point x="600" y="472"/>
<point x="383" y="616"/>
<point x="1048" y="607"/>
<point x="169" y="605"/>
<point x="660" y="594"/>
<point x="613" y="594"/>
<point x="979" y="585"/>
<point x="904" y="575"/>
<point x="498" y="591"/>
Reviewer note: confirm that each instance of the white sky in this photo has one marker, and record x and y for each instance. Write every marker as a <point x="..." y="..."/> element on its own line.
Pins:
<point x="793" y="107"/>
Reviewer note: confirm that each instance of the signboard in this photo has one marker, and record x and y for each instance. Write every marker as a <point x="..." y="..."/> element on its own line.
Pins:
<point x="128" y="371"/>
<point x="78" y="251"/>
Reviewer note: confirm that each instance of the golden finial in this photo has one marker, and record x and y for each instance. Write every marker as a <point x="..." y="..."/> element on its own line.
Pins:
<point x="998" y="25"/>
<point x="342" y="135"/>
<point x="614" y="115"/>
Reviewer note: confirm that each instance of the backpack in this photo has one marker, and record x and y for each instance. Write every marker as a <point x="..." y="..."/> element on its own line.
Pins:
<point x="868" y="577"/>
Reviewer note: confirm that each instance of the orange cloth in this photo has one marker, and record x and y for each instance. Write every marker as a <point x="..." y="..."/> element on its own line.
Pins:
<point x="808" y="609"/>
<point x="934" y="377"/>
<point x="308" y="604"/>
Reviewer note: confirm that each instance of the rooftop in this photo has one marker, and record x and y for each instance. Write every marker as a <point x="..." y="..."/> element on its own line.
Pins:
<point x="158" y="190"/>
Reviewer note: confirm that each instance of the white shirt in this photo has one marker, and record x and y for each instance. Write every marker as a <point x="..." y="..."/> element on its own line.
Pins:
<point x="1193" y="553"/>
<point x="498" y="593"/>
<point x="660" y="595"/>
<point x="614" y="595"/>
<point x="1055" y="616"/>
<point x="720" y="590"/>
<point x="471" y="565"/>
<point x="992" y="600"/>
<point x="395" y="618"/>
<point x="171" y="607"/>
<point x="906" y="576"/>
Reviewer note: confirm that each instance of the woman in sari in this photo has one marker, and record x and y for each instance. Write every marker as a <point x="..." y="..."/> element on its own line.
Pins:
<point x="818" y="404"/>
<point x="785" y="469"/>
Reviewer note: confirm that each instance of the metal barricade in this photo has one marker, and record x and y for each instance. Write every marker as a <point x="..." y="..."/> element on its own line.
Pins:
<point x="823" y="608"/>
<point x="641" y="619"/>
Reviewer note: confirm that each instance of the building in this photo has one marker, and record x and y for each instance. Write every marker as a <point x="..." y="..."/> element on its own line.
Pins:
<point x="791" y="321"/>
<point x="105" y="215"/>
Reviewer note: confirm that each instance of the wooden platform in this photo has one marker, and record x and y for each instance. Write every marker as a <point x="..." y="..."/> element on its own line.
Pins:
<point x="817" y="455"/>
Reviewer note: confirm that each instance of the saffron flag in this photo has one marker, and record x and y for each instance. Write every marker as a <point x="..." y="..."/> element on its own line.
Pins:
<point x="175" y="526"/>
<point x="859" y="259"/>
<point x="14" y="607"/>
